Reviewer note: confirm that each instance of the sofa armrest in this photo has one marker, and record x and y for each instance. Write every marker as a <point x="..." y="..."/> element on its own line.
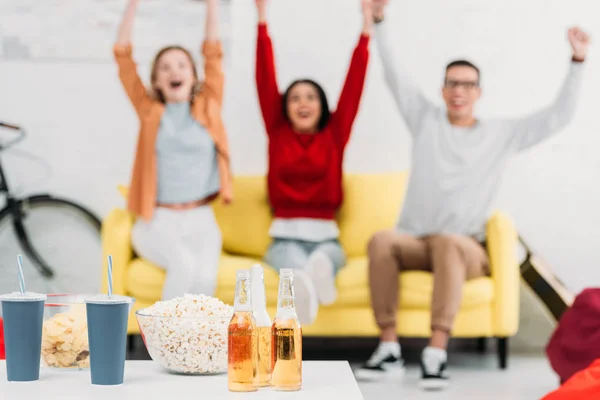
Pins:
<point x="502" y="241"/>
<point x="116" y="241"/>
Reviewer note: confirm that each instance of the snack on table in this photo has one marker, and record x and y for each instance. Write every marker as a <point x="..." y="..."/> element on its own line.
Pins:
<point x="187" y="334"/>
<point x="65" y="339"/>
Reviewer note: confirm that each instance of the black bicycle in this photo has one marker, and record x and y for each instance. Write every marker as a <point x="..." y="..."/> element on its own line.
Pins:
<point x="47" y="228"/>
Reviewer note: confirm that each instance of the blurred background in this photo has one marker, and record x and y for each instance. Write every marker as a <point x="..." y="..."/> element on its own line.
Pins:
<point x="58" y="80"/>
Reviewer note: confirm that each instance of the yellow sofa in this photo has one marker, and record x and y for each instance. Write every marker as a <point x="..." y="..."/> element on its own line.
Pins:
<point x="490" y="306"/>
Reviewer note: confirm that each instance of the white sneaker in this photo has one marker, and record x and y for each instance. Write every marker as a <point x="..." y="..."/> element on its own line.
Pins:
<point x="386" y="363"/>
<point x="322" y="271"/>
<point x="433" y="369"/>
<point x="306" y="299"/>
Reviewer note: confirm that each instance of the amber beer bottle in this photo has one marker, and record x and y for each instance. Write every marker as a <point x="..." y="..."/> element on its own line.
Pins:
<point x="263" y="323"/>
<point x="242" y="366"/>
<point x="287" y="338"/>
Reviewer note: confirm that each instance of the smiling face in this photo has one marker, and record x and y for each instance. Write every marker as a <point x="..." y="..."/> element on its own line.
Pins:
<point x="304" y="108"/>
<point x="461" y="90"/>
<point x="174" y="75"/>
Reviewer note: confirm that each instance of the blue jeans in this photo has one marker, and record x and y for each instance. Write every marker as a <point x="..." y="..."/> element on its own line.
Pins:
<point x="292" y="253"/>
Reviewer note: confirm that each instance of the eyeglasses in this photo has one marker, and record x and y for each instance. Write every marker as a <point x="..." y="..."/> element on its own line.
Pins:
<point x="468" y="85"/>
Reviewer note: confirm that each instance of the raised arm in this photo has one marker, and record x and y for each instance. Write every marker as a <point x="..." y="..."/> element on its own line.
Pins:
<point x="533" y="129"/>
<point x="212" y="50"/>
<point x="409" y="98"/>
<point x="132" y="83"/>
<point x="266" y="77"/>
<point x="349" y="101"/>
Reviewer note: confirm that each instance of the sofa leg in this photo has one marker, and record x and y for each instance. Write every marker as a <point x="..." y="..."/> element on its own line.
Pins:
<point x="503" y="352"/>
<point x="481" y="345"/>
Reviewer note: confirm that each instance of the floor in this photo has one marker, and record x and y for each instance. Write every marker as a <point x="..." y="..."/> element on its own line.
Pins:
<point x="472" y="375"/>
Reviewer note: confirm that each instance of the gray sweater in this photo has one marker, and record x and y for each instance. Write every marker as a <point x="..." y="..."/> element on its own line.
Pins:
<point x="456" y="172"/>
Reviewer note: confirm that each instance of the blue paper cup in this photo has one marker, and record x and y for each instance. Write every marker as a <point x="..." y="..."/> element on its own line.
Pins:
<point x="23" y="316"/>
<point x="107" y="333"/>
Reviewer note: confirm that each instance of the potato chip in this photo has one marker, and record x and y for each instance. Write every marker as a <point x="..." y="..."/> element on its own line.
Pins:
<point x="65" y="339"/>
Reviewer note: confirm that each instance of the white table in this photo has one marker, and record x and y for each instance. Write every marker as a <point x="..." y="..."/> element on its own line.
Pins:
<point x="146" y="380"/>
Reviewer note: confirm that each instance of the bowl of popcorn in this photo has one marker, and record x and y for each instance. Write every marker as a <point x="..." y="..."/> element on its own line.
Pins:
<point x="187" y="335"/>
<point x="64" y="333"/>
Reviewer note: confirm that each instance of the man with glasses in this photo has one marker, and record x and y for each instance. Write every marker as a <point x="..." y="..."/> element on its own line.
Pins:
<point x="457" y="164"/>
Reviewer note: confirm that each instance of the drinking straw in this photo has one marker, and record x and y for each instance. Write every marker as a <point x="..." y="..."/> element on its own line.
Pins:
<point x="21" y="278"/>
<point x="109" y="276"/>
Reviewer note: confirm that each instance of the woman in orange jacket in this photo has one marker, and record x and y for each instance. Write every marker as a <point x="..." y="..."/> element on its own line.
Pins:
<point x="181" y="163"/>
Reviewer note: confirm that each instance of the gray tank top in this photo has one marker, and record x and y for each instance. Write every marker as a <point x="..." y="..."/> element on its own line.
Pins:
<point x="186" y="158"/>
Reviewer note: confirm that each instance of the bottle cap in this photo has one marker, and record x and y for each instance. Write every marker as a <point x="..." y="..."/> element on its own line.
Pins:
<point x="257" y="269"/>
<point x="242" y="273"/>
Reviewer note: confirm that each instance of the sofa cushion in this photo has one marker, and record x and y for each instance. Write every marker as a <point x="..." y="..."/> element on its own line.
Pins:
<point x="246" y="221"/>
<point x="371" y="203"/>
<point x="145" y="282"/>
<point x="416" y="288"/>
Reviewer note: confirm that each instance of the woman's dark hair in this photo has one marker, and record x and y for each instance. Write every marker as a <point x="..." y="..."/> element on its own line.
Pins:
<point x="325" y="113"/>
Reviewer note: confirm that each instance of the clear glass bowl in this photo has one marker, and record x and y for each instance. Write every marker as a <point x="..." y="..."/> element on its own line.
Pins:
<point x="186" y="345"/>
<point x="65" y="334"/>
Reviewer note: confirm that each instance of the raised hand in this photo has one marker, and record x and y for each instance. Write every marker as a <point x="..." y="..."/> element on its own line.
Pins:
<point x="261" y="7"/>
<point x="580" y="43"/>
<point x="379" y="8"/>
<point x="367" y="9"/>
<point x="212" y="20"/>
<point x="126" y="26"/>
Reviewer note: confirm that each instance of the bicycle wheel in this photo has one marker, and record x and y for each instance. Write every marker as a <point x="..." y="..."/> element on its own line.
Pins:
<point x="62" y="235"/>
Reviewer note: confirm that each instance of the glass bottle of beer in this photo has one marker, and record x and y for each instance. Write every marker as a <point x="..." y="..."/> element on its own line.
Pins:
<point x="263" y="323"/>
<point x="242" y="366"/>
<point x="286" y="345"/>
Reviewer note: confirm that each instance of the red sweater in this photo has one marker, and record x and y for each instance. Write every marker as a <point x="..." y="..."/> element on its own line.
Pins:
<point x="305" y="170"/>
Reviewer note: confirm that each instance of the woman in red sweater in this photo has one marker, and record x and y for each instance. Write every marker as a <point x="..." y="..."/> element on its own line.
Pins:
<point x="306" y="150"/>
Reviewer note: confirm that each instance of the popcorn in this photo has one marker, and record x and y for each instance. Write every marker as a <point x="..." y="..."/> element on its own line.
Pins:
<point x="65" y="339"/>
<point x="188" y="334"/>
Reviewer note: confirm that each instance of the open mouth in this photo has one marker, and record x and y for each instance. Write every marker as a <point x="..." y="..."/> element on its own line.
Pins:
<point x="304" y="114"/>
<point x="175" y="84"/>
<point x="458" y="102"/>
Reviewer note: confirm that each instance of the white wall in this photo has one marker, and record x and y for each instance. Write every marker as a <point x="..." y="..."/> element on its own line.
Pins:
<point x="80" y="121"/>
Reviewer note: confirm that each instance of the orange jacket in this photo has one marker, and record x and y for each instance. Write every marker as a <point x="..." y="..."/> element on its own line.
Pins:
<point x="206" y="109"/>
